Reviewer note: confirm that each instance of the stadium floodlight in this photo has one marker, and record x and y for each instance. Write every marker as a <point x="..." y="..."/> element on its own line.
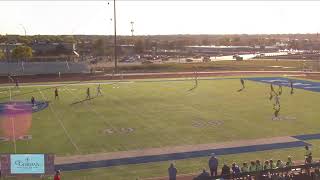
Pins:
<point x="24" y="29"/>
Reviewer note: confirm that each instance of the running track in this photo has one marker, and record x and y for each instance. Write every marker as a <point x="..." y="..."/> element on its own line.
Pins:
<point x="165" y="154"/>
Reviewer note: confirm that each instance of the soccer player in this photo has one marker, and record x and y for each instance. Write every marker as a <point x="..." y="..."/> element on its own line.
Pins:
<point x="88" y="93"/>
<point x="252" y="167"/>
<point x="99" y="90"/>
<point x="291" y="85"/>
<point x="276" y="112"/>
<point x="242" y="83"/>
<point x="196" y="78"/>
<point x="271" y="87"/>
<point x="259" y="166"/>
<point x="16" y="82"/>
<point x="244" y="168"/>
<point x="307" y="152"/>
<point x="272" y="164"/>
<point x="271" y="96"/>
<point x="33" y="101"/>
<point x="56" y="94"/>
<point x="289" y="162"/>
<point x="277" y="100"/>
<point x="280" y="90"/>
<point x="279" y="164"/>
<point x="266" y="165"/>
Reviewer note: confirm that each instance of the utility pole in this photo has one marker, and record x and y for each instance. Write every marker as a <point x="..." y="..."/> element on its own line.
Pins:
<point x="132" y="30"/>
<point x="7" y="48"/>
<point x="115" y="38"/>
<point x="24" y="29"/>
<point x="7" y="54"/>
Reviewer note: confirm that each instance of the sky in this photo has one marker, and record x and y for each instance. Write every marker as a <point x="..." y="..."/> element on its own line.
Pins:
<point x="159" y="17"/>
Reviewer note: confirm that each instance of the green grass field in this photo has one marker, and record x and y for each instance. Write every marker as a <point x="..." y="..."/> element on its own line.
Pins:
<point x="163" y="113"/>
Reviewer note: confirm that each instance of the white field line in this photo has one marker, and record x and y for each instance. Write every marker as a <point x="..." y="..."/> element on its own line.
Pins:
<point x="13" y="127"/>
<point x="61" y="124"/>
<point x="66" y="84"/>
<point x="97" y="114"/>
<point x="13" y="133"/>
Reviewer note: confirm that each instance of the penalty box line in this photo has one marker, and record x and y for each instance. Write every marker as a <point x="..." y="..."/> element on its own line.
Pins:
<point x="61" y="124"/>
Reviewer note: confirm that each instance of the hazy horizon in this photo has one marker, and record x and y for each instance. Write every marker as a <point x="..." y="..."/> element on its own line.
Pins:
<point x="159" y="17"/>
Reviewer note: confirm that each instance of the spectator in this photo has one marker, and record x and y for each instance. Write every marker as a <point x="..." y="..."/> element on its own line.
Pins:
<point x="57" y="175"/>
<point x="266" y="165"/>
<point x="279" y="164"/>
<point x="308" y="151"/>
<point x="259" y="166"/>
<point x="245" y="168"/>
<point x="203" y="176"/>
<point x="225" y="172"/>
<point x="272" y="164"/>
<point x="308" y="160"/>
<point x="172" y="171"/>
<point x="289" y="162"/>
<point x="316" y="174"/>
<point x="235" y="169"/>
<point x="252" y="167"/>
<point x="213" y="165"/>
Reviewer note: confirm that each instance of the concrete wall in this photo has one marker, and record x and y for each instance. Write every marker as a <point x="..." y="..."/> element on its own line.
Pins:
<point x="29" y="68"/>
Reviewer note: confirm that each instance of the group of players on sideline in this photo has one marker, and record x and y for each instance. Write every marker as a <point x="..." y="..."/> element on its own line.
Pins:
<point x="253" y="166"/>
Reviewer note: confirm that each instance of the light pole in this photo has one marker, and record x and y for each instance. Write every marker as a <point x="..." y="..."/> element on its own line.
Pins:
<point x="132" y="30"/>
<point x="25" y="31"/>
<point x="115" y="38"/>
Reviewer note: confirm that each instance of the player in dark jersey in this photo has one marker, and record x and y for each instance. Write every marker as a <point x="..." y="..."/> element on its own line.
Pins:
<point x="16" y="83"/>
<point x="271" y="87"/>
<point x="56" y="94"/>
<point x="33" y="101"/>
<point x="271" y="96"/>
<point x="272" y="92"/>
<point x="88" y="93"/>
<point x="280" y="90"/>
<point x="242" y="83"/>
<point x="291" y="85"/>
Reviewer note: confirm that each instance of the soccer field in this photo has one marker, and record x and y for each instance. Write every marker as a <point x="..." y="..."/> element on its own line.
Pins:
<point x="139" y="114"/>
